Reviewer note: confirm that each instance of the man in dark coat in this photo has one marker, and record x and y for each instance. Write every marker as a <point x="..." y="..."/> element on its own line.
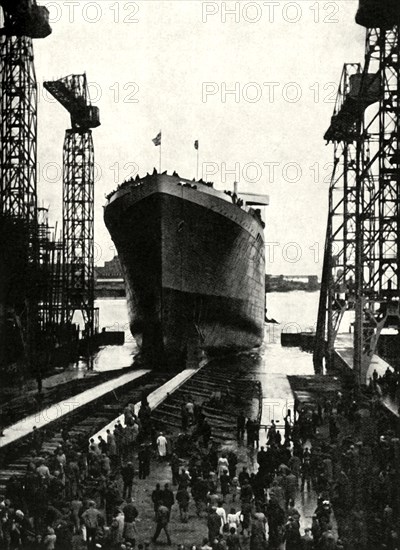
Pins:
<point x="127" y="473"/>
<point x="214" y="523"/>
<point x="262" y="459"/>
<point x="168" y="497"/>
<point x="156" y="497"/>
<point x="199" y="493"/>
<point x="183" y="498"/>
<point x="162" y="520"/>
<point x="174" y="462"/>
<point x="241" y="424"/>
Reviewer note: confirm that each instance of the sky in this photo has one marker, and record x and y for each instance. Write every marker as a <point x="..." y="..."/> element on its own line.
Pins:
<point x="254" y="82"/>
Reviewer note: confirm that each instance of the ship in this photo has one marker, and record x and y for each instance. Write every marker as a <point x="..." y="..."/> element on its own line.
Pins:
<point x="193" y="261"/>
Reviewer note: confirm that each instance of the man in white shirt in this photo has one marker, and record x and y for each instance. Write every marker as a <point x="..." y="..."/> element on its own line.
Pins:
<point x="222" y="514"/>
<point x="162" y="446"/>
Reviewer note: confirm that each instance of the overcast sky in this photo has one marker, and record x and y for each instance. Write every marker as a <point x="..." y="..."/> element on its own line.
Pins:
<point x="170" y="65"/>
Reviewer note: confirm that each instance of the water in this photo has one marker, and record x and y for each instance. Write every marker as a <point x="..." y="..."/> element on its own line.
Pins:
<point x="295" y="311"/>
<point x="113" y="315"/>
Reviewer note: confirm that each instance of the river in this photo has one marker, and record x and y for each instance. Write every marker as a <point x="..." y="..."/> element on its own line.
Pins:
<point x="295" y="311"/>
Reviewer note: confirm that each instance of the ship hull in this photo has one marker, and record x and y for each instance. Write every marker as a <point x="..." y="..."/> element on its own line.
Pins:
<point x="194" y="271"/>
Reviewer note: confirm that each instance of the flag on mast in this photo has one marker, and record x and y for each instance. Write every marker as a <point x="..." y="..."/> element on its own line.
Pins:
<point x="157" y="139"/>
<point x="196" y="146"/>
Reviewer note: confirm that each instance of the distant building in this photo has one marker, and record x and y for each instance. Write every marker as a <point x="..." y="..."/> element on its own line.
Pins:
<point x="287" y="283"/>
<point x="109" y="280"/>
<point x="110" y="270"/>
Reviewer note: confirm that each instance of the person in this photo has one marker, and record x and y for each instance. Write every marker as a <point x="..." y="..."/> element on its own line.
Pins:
<point x="256" y="433"/>
<point x="250" y="433"/>
<point x="184" y="478"/>
<point x="295" y="465"/>
<point x="292" y="510"/>
<point x="288" y="427"/>
<point x="233" y="460"/>
<point x="199" y="493"/>
<point x="223" y="464"/>
<point x="42" y="470"/>
<point x="94" y="446"/>
<point x="271" y="433"/>
<point x="130" y="532"/>
<point x="130" y="511"/>
<point x="168" y="498"/>
<point x="91" y="519"/>
<point x="233" y="540"/>
<point x="174" y="462"/>
<point x="306" y="470"/>
<point x="262" y="459"/>
<point x="234" y="487"/>
<point x="190" y="410"/>
<point x="184" y="417"/>
<point x="127" y="473"/>
<point x="213" y="524"/>
<point x="76" y="508"/>
<point x="244" y="476"/>
<point x="49" y="541"/>
<point x="258" y="538"/>
<point x="119" y="520"/>
<point x="241" y="424"/>
<point x="290" y="487"/>
<point x="156" y="497"/>
<point x="277" y="493"/>
<point x="207" y="432"/>
<point x="307" y="540"/>
<point x="224" y="480"/>
<point x="162" y="520"/>
<point x="105" y="464"/>
<point x="37" y="439"/>
<point x="102" y="445"/>
<point x="292" y="534"/>
<point x="183" y="498"/>
<point x="222" y="514"/>
<point x="112" y="448"/>
<point x="328" y="541"/>
<point x="162" y="446"/>
<point x="233" y="519"/>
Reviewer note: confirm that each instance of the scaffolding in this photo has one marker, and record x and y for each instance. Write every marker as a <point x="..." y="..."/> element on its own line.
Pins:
<point x="78" y="200"/>
<point x="22" y="22"/>
<point x="362" y="250"/>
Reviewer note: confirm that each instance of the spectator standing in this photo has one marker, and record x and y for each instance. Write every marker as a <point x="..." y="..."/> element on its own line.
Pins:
<point x="128" y="474"/>
<point x="162" y="520"/>
<point x="162" y="446"/>
<point x="183" y="498"/>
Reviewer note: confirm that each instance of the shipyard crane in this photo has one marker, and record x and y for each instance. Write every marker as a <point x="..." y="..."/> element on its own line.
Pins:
<point x="22" y="21"/>
<point x="78" y="199"/>
<point x="362" y="252"/>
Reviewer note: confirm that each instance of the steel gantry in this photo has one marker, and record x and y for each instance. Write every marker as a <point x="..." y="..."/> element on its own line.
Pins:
<point x="362" y="251"/>
<point x="78" y="199"/>
<point x="22" y="21"/>
<point x="337" y="290"/>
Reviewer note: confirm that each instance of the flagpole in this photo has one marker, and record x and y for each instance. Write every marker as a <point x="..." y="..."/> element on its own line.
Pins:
<point x="197" y="166"/>
<point x="160" y="160"/>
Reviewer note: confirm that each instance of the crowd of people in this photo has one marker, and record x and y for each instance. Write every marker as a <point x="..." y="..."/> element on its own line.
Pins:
<point x="80" y="491"/>
<point x="82" y="495"/>
<point x="388" y="383"/>
<point x="354" y="468"/>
